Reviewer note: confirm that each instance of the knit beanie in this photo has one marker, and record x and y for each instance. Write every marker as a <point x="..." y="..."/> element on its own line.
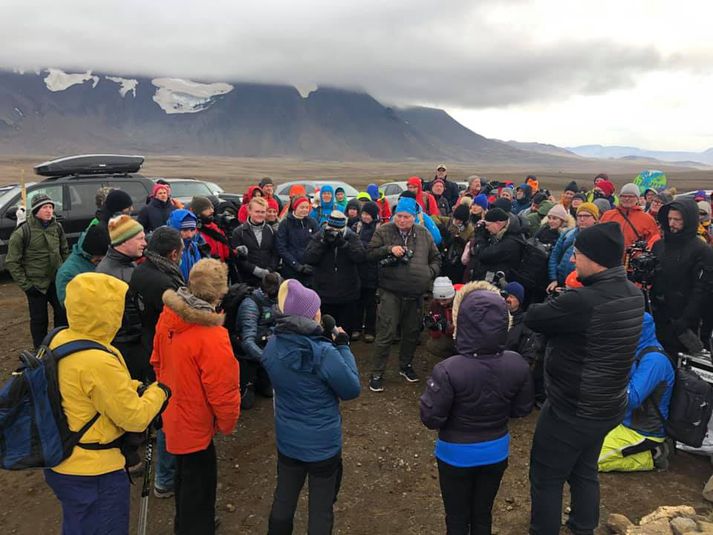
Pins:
<point x="117" y="201"/>
<point x="538" y="197"/>
<point x="407" y="205"/>
<point x="158" y="187"/>
<point x="461" y="213"/>
<point x="123" y="228"/>
<point x="580" y="196"/>
<point x="507" y="190"/>
<point x="264" y="181"/>
<point x="208" y="280"/>
<point x="481" y="200"/>
<point x="630" y="189"/>
<point x="189" y="221"/>
<point x="272" y="203"/>
<point x="607" y="187"/>
<point x="293" y="299"/>
<point x="297" y="201"/>
<point x="437" y="181"/>
<point x="199" y="204"/>
<point x="504" y="204"/>
<point x="496" y="214"/>
<point x="96" y="241"/>
<point x="700" y="195"/>
<point x="664" y="197"/>
<point x="572" y="186"/>
<point x="602" y="243"/>
<point x="590" y="208"/>
<point x="558" y="211"/>
<point x="443" y="288"/>
<point x="337" y="220"/>
<point x="407" y="194"/>
<point x="372" y="209"/>
<point x="603" y="204"/>
<point x="517" y="289"/>
<point x="39" y="201"/>
<point x="705" y="206"/>
<point x="601" y="176"/>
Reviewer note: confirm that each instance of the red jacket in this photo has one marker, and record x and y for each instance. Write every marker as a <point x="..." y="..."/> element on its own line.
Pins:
<point x="645" y="225"/>
<point x="423" y="198"/>
<point x="384" y="209"/>
<point x="192" y="355"/>
<point x="217" y="240"/>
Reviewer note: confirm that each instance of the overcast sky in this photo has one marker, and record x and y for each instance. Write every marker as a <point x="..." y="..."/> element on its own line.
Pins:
<point x="635" y="72"/>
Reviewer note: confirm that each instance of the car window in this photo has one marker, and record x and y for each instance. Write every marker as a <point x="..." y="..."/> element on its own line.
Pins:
<point x="285" y="190"/>
<point x="53" y="191"/>
<point x="189" y="189"/>
<point x="136" y="190"/>
<point x="392" y="189"/>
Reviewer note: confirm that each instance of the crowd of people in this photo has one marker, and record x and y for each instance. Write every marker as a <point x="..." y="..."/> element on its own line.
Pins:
<point x="576" y="303"/>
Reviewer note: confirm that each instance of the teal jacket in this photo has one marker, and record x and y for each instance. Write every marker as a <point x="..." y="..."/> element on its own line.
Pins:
<point x="77" y="262"/>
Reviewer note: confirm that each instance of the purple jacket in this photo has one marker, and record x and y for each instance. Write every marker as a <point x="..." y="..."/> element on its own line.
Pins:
<point x="470" y="396"/>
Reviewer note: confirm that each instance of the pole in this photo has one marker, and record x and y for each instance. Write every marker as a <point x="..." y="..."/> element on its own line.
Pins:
<point x="146" y="488"/>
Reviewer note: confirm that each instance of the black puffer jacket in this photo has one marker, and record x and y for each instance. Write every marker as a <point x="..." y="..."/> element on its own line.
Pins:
<point x="122" y="267"/>
<point x="496" y="253"/>
<point x="262" y="255"/>
<point x="155" y="214"/>
<point x="414" y="278"/>
<point x="336" y="267"/>
<point x="368" y="271"/>
<point x="683" y="276"/>
<point x="520" y="338"/>
<point x="592" y="335"/>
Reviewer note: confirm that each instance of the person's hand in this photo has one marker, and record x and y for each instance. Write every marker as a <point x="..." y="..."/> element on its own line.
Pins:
<point x="260" y="273"/>
<point x="551" y="287"/>
<point x="305" y="269"/>
<point x="241" y="250"/>
<point x="340" y="336"/>
<point x="398" y="251"/>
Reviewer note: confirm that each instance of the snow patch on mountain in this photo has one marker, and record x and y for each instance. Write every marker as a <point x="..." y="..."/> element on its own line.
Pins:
<point x="58" y="80"/>
<point x="305" y="89"/>
<point x="176" y="95"/>
<point x="125" y="84"/>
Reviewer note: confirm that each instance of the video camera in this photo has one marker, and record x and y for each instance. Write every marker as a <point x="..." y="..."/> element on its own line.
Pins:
<point x="393" y="260"/>
<point x="435" y="322"/>
<point x="331" y="235"/>
<point x="641" y="263"/>
<point x="226" y="217"/>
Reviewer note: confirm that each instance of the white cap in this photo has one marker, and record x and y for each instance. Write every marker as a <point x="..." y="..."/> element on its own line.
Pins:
<point x="443" y="288"/>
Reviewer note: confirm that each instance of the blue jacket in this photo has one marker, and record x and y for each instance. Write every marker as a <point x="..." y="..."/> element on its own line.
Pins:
<point x="191" y="253"/>
<point x="321" y="213"/>
<point x="653" y="371"/>
<point x="560" y="264"/>
<point x="426" y="221"/>
<point x="255" y="322"/>
<point x="77" y="262"/>
<point x="310" y="376"/>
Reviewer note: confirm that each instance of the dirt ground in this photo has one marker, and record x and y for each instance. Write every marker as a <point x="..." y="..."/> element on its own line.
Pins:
<point x="390" y="480"/>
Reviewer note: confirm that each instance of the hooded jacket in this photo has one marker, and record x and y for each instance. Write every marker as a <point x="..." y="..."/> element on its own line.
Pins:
<point x="470" y="397"/>
<point x="640" y="225"/>
<point x="293" y="235"/>
<point x="216" y="239"/>
<point x="683" y="277"/>
<point x="321" y="212"/>
<point x="518" y="205"/>
<point x="560" y="264"/>
<point x="592" y="334"/>
<point x="376" y="195"/>
<point x="247" y="197"/>
<point x="310" y="376"/>
<point x="192" y="355"/>
<point x="155" y="214"/>
<point x="79" y="261"/>
<point x="424" y="199"/>
<point x="497" y="253"/>
<point x="94" y="381"/>
<point x="191" y="247"/>
<point x="535" y="218"/>
<point x="651" y="374"/>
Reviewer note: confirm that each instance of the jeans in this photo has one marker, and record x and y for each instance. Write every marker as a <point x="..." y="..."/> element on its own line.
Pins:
<point x="165" y="464"/>
<point x="196" y="484"/>
<point x="325" y="478"/>
<point x="92" y="504"/>
<point x="396" y="312"/>
<point x="565" y="449"/>
<point x="468" y="496"/>
<point x="39" y="315"/>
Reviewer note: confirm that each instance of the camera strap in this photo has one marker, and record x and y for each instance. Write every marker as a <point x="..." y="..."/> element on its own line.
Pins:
<point x="638" y="236"/>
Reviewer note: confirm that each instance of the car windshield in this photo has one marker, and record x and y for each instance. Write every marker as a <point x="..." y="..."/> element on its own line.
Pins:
<point x="349" y="191"/>
<point x="189" y="188"/>
<point x="7" y="193"/>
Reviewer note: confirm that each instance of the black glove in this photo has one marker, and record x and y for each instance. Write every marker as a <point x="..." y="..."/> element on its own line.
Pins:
<point x="340" y="241"/>
<point x="341" y="339"/>
<point x="305" y="269"/>
<point x="166" y="390"/>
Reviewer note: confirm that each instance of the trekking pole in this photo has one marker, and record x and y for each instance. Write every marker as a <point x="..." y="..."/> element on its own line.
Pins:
<point x="146" y="488"/>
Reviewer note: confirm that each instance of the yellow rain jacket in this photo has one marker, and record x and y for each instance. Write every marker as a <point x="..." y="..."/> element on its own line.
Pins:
<point x="94" y="381"/>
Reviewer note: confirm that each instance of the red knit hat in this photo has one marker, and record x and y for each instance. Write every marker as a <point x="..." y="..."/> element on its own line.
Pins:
<point x="272" y="203"/>
<point x="297" y="201"/>
<point x="606" y="186"/>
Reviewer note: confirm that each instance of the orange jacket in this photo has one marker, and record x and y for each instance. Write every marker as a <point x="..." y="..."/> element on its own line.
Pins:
<point x="193" y="356"/>
<point x="644" y="223"/>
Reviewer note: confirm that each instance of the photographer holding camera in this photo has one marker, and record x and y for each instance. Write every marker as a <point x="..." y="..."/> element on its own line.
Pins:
<point x="683" y="277"/>
<point x="439" y="320"/>
<point x="335" y="254"/>
<point x="408" y="262"/>
<point x="497" y="244"/>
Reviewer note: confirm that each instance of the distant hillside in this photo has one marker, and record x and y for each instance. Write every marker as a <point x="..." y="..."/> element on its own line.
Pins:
<point x="542" y="148"/>
<point x="615" y="151"/>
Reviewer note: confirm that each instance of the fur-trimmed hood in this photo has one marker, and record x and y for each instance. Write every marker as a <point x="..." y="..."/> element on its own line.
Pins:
<point x="187" y="315"/>
<point x="480" y="317"/>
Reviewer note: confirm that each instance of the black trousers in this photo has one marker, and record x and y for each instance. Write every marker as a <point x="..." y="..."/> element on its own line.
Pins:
<point x="137" y="360"/>
<point x="196" y="482"/>
<point x="468" y="496"/>
<point x="366" y="311"/>
<point x="39" y="315"/>
<point x="343" y="314"/>
<point x="252" y="373"/>
<point x="325" y="478"/>
<point x="565" y="450"/>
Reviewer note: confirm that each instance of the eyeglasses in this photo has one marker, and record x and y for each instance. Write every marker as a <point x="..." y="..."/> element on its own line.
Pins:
<point x="584" y="215"/>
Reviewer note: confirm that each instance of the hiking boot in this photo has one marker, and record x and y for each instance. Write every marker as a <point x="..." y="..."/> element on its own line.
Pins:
<point x="356" y="335"/>
<point x="408" y="374"/>
<point x="369" y="338"/>
<point x="660" y="455"/>
<point x="247" y="397"/>
<point x="163" y="493"/>
<point x="376" y="383"/>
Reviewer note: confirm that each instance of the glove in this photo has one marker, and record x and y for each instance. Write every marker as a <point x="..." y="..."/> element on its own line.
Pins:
<point x="341" y="339"/>
<point x="340" y="241"/>
<point x="241" y="250"/>
<point x="305" y="269"/>
<point x="260" y="272"/>
<point x="165" y="389"/>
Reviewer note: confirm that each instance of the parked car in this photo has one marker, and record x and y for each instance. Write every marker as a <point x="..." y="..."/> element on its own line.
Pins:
<point x="72" y="183"/>
<point x="283" y="190"/>
<point x="184" y="189"/>
<point x="392" y="190"/>
<point x="692" y="194"/>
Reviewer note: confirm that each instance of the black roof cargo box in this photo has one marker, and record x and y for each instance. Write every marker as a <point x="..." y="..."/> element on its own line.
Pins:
<point x="90" y="164"/>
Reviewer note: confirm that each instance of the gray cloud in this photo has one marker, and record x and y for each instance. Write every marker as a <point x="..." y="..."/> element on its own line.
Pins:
<point x="419" y="51"/>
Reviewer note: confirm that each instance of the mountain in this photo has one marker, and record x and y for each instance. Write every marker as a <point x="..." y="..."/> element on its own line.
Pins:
<point x="615" y="151"/>
<point x="542" y="148"/>
<point x="62" y="113"/>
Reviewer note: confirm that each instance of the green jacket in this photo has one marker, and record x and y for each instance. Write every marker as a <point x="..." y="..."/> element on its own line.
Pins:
<point x="37" y="263"/>
<point x="535" y="218"/>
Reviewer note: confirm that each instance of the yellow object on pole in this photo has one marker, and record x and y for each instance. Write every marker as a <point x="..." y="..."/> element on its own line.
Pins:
<point x="23" y="189"/>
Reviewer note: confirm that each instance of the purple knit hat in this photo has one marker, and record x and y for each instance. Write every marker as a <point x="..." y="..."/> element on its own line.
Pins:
<point x="293" y="299"/>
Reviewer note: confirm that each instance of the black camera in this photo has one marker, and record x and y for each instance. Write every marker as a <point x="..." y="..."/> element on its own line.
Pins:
<point x="496" y="278"/>
<point x="393" y="260"/>
<point x="435" y="322"/>
<point x="331" y="235"/>
<point x="641" y="263"/>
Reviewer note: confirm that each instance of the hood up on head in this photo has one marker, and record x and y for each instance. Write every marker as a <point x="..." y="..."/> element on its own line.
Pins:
<point x="481" y="319"/>
<point x="689" y="210"/>
<point x="326" y="205"/>
<point x="648" y="333"/>
<point x="95" y="305"/>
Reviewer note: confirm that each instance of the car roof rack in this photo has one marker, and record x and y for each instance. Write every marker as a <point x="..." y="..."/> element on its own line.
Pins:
<point x="90" y="164"/>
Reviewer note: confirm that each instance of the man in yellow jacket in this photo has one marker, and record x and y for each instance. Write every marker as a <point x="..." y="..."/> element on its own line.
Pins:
<point x="91" y="484"/>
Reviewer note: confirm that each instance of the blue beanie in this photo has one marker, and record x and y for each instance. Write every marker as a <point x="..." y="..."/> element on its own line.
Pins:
<point x="407" y="205"/>
<point x="516" y="289"/>
<point x="373" y="191"/>
<point x="481" y="200"/>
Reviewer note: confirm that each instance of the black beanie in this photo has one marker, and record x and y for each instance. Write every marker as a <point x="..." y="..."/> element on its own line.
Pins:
<point x="407" y="194"/>
<point x="117" y="200"/>
<point x="496" y="214"/>
<point x="371" y="208"/>
<point x="504" y="204"/>
<point x="461" y="213"/>
<point x="538" y="197"/>
<point x="199" y="204"/>
<point x="96" y="240"/>
<point x="602" y="243"/>
<point x="572" y="186"/>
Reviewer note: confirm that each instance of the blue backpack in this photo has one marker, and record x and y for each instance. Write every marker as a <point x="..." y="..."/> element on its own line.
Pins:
<point x="33" y="427"/>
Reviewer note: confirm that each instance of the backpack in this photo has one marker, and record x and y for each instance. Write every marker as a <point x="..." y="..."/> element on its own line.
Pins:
<point x="27" y="234"/>
<point x="230" y="305"/>
<point x="531" y="272"/>
<point x="34" y="432"/>
<point x="690" y="408"/>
